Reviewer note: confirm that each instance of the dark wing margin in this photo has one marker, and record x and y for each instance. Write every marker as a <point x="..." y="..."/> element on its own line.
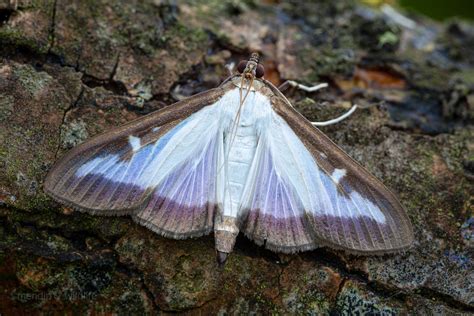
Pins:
<point x="351" y="221"/>
<point x="100" y="175"/>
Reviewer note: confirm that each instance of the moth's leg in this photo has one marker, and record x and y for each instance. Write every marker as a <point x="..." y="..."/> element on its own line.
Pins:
<point x="337" y="119"/>
<point x="291" y="83"/>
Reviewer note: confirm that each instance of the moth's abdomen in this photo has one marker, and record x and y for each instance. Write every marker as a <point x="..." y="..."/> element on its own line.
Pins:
<point x="241" y="155"/>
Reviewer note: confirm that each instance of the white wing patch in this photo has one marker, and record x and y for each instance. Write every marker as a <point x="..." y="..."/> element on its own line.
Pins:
<point x="134" y="142"/>
<point x="337" y="175"/>
<point x="150" y="164"/>
<point x="91" y="167"/>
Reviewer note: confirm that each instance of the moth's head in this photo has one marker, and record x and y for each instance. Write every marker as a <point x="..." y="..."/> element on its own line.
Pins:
<point x="251" y="68"/>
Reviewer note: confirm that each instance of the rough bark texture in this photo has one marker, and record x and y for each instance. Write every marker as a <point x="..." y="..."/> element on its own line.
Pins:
<point x="71" y="69"/>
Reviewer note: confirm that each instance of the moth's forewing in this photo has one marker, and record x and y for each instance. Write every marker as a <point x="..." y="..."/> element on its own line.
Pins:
<point x="348" y="208"/>
<point x="107" y="174"/>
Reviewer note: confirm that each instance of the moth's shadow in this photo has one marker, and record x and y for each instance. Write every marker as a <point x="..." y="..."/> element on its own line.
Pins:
<point x="249" y="248"/>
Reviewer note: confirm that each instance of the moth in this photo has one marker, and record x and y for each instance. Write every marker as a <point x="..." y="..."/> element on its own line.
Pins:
<point x="236" y="158"/>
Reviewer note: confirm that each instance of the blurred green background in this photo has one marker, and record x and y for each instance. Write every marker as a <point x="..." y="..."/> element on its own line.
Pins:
<point x="436" y="9"/>
<point x="440" y="9"/>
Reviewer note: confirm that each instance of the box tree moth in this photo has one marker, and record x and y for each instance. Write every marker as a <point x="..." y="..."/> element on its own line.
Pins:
<point x="236" y="158"/>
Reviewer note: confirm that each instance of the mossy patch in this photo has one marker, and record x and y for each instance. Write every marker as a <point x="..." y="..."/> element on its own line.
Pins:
<point x="73" y="133"/>
<point x="311" y="302"/>
<point x="31" y="80"/>
<point x="6" y="106"/>
<point x="34" y="118"/>
<point x="29" y="27"/>
<point x="355" y="300"/>
<point x="15" y="38"/>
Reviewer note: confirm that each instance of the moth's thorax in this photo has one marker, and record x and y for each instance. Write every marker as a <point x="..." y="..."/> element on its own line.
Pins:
<point x="255" y="111"/>
<point x="257" y="85"/>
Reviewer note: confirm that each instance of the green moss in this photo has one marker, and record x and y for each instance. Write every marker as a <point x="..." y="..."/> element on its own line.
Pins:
<point x="327" y="62"/>
<point x="388" y="38"/>
<point x="73" y="133"/>
<point x="209" y="9"/>
<point x="313" y="302"/>
<point x="131" y="302"/>
<point x="36" y="275"/>
<point x="466" y="75"/>
<point x="57" y="243"/>
<point x="205" y="13"/>
<point x="352" y="301"/>
<point x="43" y="5"/>
<point x="11" y="37"/>
<point x="6" y="107"/>
<point x="195" y="38"/>
<point x="33" y="81"/>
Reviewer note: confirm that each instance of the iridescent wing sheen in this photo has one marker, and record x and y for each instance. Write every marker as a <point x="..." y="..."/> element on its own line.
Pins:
<point x="304" y="192"/>
<point x="130" y="170"/>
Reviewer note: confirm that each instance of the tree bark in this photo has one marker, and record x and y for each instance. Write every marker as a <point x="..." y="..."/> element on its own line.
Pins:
<point x="72" y="69"/>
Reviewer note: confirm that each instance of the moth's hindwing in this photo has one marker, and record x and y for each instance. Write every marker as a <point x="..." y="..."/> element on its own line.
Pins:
<point x="137" y="168"/>
<point x="309" y="193"/>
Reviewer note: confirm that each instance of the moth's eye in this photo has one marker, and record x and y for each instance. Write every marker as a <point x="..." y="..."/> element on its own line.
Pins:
<point x="260" y="71"/>
<point x="241" y="66"/>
